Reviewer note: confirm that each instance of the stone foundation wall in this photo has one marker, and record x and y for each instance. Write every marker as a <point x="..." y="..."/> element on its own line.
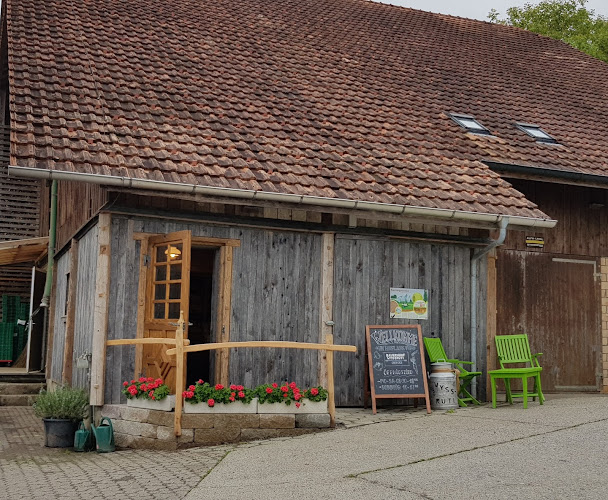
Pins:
<point x="153" y="429"/>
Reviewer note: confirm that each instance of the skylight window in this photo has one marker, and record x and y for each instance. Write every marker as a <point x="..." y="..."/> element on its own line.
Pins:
<point x="470" y="124"/>
<point x="535" y="131"/>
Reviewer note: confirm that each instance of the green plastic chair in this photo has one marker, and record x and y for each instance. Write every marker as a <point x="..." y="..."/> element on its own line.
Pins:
<point x="515" y="350"/>
<point x="434" y="349"/>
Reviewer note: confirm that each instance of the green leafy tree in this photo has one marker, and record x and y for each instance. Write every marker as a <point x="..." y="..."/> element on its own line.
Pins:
<point x="566" y="20"/>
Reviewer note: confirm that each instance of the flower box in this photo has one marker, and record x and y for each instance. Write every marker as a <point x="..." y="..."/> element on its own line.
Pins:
<point x="305" y="407"/>
<point x="165" y="404"/>
<point x="235" y="407"/>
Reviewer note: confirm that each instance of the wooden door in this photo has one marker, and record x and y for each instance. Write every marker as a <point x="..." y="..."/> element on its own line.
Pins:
<point x="168" y="290"/>
<point x="555" y="299"/>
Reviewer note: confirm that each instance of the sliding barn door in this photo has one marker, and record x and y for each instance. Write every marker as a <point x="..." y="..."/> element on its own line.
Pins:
<point x="168" y="290"/>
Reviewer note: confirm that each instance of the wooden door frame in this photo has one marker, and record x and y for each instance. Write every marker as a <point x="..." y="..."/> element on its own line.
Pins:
<point x="225" y="247"/>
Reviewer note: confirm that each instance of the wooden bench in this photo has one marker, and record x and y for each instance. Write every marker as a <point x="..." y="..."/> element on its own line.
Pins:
<point x="515" y="350"/>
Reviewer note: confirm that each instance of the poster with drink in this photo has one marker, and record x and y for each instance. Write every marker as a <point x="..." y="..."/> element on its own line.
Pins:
<point x="412" y="303"/>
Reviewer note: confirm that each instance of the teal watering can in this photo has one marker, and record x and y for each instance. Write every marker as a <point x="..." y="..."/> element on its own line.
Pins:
<point x="104" y="435"/>
<point x="83" y="439"/>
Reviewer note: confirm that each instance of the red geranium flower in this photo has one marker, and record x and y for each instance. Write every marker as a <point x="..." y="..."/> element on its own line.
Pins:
<point x="159" y="381"/>
<point x="284" y="388"/>
<point x="293" y="385"/>
<point x="150" y="379"/>
<point x="142" y="379"/>
<point x="268" y="390"/>
<point x="218" y="387"/>
<point x="125" y="383"/>
<point x="191" y="388"/>
<point x="143" y="387"/>
<point x="233" y="387"/>
<point x="200" y="381"/>
<point x="239" y="388"/>
<point x="241" y="394"/>
<point x="275" y="385"/>
<point x="151" y="394"/>
<point x="314" y="391"/>
<point x="211" y="402"/>
<point x="297" y="397"/>
<point x="231" y="398"/>
<point x="298" y="405"/>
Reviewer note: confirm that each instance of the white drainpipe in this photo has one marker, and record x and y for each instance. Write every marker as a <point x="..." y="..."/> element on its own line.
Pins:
<point x="477" y="255"/>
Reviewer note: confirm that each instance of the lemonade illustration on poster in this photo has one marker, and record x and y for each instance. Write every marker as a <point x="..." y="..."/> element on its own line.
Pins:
<point x="412" y="303"/>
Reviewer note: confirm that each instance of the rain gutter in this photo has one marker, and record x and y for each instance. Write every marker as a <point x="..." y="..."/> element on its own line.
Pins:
<point x="244" y="194"/>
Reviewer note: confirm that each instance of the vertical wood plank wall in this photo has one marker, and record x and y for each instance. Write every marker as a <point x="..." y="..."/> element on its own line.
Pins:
<point x="62" y="268"/>
<point x="276" y="296"/>
<point x="85" y="298"/>
<point x="366" y="269"/>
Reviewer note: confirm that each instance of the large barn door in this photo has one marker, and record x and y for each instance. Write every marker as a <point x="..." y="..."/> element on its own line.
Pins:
<point x="556" y="301"/>
<point x="168" y="290"/>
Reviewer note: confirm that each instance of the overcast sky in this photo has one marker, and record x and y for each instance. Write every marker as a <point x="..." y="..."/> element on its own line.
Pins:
<point x="478" y="9"/>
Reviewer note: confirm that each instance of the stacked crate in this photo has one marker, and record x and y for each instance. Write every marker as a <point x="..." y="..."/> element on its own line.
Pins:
<point x="13" y="329"/>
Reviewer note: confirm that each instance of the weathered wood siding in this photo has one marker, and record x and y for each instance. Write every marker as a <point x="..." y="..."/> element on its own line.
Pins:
<point x="62" y="268"/>
<point x="85" y="298"/>
<point x="366" y="269"/>
<point x="275" y="296"/>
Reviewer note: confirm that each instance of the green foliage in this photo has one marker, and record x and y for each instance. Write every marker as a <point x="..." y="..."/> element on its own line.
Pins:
<point x="64" y="402"/>
<point x="566" y="20"/>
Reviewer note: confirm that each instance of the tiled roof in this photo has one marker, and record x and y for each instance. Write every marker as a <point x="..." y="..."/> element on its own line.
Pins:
<point x="339" y="99"/>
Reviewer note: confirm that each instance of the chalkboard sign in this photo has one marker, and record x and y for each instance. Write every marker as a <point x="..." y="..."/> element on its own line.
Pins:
<point x="396" y="363"/>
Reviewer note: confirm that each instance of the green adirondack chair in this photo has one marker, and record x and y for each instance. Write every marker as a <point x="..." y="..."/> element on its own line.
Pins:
<point x="515" y="350"/>
<point x="434" y="348"/>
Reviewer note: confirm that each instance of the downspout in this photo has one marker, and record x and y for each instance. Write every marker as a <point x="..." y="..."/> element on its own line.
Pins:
<point x="477" y="255"/>
<point x="46" y="298"/>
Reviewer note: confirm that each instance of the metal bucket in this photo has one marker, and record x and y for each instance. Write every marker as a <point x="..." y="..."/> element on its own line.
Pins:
<point x="442" y="387"/>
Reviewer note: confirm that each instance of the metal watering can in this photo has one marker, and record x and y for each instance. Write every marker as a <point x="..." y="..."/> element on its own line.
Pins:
<point x="104" y="435"/>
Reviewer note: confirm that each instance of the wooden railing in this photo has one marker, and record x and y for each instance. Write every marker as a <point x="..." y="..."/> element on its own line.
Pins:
<point x="183" y="347"/>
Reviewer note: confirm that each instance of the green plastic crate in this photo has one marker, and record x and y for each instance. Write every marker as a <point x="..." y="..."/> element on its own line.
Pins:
<point x="11" y="306"/>
<point x="6" y="341"/>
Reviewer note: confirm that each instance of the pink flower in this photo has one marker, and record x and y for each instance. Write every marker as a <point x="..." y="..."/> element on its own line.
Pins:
<point x="143" y="387"/>
<point x="293" y="385"/>
<point x="142" y="379"/>
<point x="239" y="387"/>
<point x="284" y="388"/>
<point x="185" y="394"/>
<point x="191" y="388"/>
<point x="211" y="402"/>
<point x="297" y="397"/>
<point x="158" y="381"/>
<point x="200" y="381"/>
<point x="218" y="387"/>
<point x="231" y="398"/>
<point x="233" y="387"/>
<point x="268" y="390"/>
<point x="298" y="405"/>
<point x="241" y="394"/>
<point x="150" y="379"/>
<point x="132" y="390"/>
<point x="275" y="385"/>
<point x="125" y="383"/>
<point x="314" y="391"/>
<point x="151" y="394"/>
<point x="132" y="381"/>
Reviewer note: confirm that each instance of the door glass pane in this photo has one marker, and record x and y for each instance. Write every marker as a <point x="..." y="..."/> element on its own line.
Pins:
<point x="161" y="273"/>
<point x="174" y="308"/>
<point x="159" y="311"/>
<point x="176" y="272"/>
<point x="161" y="253"/>
<point x="160" y="292"/>
<point x="175" y="290"/>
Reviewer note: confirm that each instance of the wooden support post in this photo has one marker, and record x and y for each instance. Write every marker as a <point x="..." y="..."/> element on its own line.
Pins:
<point x="179" y="374"/>
<point x="222" y="369"/>
<point x="48" y="358"/>
<point x="141" y="307"/>
<point x="327" y="306"/>
<point x="68" y="350"/>
<point x="491" y="321"/>
<point x="331" y="400"/>
<point x="100" y="311"/>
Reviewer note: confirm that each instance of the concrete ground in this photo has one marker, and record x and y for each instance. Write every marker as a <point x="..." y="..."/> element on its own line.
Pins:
<point x="557" y="450"/>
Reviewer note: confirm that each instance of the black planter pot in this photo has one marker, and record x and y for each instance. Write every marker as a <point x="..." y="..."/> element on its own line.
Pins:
<point x="59" y="432"/>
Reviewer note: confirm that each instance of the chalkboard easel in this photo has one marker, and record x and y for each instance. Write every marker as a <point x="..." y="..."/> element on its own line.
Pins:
<point x="396" y="363"/>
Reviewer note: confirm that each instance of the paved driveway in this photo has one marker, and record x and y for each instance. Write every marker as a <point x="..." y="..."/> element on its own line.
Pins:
<point x="554" y="451"/>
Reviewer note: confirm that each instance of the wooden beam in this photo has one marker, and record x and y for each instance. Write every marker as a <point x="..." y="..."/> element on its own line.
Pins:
<point x="180" y="366"/>
<point x="149" y="340"/>
<point x="141" y="306"/>
<point x="68" y="350"/>
<point x="100" y="310"/>
<point x="331" y="398"/>
<point x="327" y="296"/>
<point x="284" y="344"/>
<point x="222" y="364"/>
<point x="197" y="240"/>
